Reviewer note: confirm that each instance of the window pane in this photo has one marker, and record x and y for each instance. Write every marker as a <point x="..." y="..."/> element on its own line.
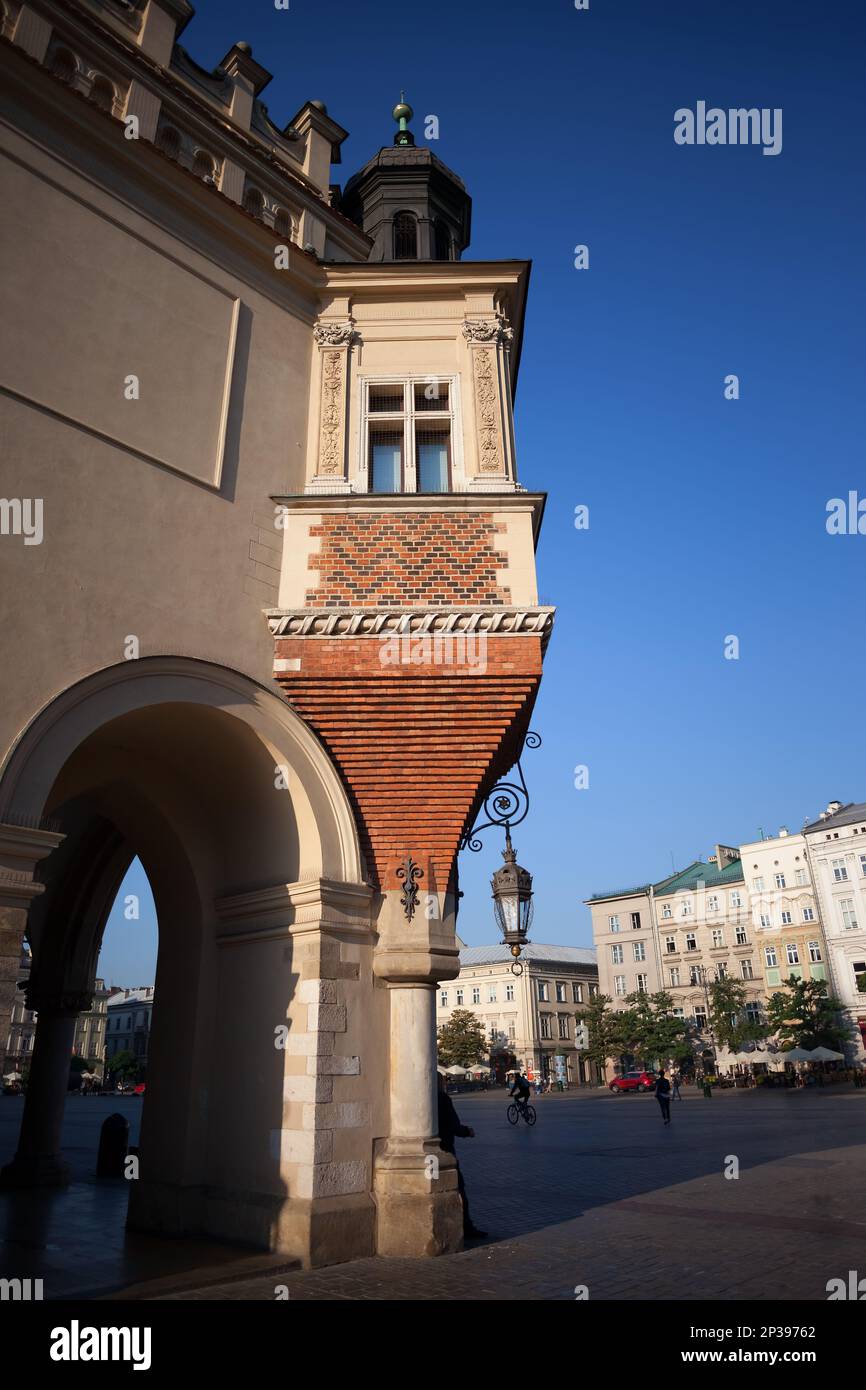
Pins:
<point x="431" y="395"/>
<point x="386" y="399"/>
<point x="386" y="461"/>
<point x="432" y="455"/>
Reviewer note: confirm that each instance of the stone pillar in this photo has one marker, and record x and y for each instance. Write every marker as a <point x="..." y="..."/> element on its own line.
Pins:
<point x="13" y="921"/>
<point x="21" y="849"/>
<point x="419" y="1210"/>
<point x="37" y="1162"/>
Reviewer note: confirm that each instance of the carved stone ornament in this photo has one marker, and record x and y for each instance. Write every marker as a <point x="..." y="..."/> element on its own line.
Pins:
<point x="335" y="334"/>
<point x="487" y="413"/>
<point x="496" y="330"/>
<point x="333" y="413"/>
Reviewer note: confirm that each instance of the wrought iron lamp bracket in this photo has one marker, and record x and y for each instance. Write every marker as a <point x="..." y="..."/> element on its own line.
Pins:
<point x="506" y="804"/>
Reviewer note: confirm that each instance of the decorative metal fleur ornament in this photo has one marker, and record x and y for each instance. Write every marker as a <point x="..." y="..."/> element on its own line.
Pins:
<point x="506" y="804"/>
<point x="409" y="873"/>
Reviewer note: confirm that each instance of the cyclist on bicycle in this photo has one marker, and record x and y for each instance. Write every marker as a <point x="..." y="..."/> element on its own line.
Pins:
<point x="521" y="1086"/>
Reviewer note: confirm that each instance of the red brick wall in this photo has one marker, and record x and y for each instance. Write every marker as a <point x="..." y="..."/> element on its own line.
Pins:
<point x="406" y="559"/>
<point x="416" y="745"/>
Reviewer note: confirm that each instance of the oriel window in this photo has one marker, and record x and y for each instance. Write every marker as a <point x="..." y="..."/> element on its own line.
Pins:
<point x="409" y="432"/>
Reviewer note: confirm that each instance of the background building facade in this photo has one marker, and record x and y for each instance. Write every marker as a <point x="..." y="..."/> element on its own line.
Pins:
<point x="529" y="1018"/>
<point x="128" y="1023"/>
<point x="836" y="845"/>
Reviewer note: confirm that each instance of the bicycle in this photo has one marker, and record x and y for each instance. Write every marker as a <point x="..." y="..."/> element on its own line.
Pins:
<point x="518" y="1108"/>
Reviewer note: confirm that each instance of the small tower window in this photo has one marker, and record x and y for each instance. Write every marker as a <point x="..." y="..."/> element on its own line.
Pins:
<point x="442" y="239"/>
<point x="63" y="65"/>
<point x="102" y="93"/>
<point x="405" y="237"/>
<point x="203" y="166"/>
<point x="168" y="140"/>
<point x="284" y="224"/>
<point x="254" y="203"/>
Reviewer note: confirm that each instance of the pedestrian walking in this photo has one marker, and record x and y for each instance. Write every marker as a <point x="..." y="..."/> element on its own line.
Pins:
<point x="663" y="1095"/>
<point x="676" y="1080"/>
<point x="449" y="1129"/>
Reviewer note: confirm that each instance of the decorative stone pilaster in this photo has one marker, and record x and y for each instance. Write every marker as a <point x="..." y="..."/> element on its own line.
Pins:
<point x="335" y="340"/>
<point x="489" y="341"/>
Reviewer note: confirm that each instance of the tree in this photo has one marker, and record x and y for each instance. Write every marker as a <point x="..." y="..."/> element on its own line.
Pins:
<point x="652" y="1030"/>
<point x="603" y="1025"/>
<point x="462" y="1040"/>
<point x="124" y="1064"/>
<point x="807" y="1015"/>
<point x="730" y="1024"/>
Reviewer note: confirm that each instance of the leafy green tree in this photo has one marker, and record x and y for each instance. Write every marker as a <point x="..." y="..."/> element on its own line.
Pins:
<point x="124" y="1064"/>
<point x="604" y="1030"/>
<point x="461" y="1040"/>
<point x="804" y="1014"/>
<point x="730" y="1024"/>
<point x="651" y="1029"/>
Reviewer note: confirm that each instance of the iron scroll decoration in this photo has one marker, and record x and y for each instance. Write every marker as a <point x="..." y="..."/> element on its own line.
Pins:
<point x="506" y="804"/>
<point x="408" y="874"/>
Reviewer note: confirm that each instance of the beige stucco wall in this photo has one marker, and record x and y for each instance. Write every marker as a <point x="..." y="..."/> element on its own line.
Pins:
<point x="157" y="521"/>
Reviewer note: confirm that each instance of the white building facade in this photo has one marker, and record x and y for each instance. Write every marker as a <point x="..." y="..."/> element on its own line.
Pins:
<point x="836" y="847"/>
<point x="529" y="1019"/>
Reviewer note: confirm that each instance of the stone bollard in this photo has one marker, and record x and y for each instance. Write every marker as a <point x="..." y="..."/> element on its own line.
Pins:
<point x="113" y="1141"/>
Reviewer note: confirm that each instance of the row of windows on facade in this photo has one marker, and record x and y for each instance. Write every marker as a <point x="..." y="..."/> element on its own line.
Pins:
<point x="801" y="880"/>
<point x="840" y="869"/>
<point x="542" y="988"/>
<point x="204" y="165"/>
<point x="96" y="85"/>
<point x="747" y="972"/>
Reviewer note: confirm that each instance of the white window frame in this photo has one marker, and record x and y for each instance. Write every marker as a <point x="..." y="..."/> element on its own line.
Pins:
<point x="840" y="870"/>
<point x="849" y="914"/>
<point x="786" y="918"/>
<point x="639" y="950"/>
<point x="453" y="416"/>
<point x="616" y="955"/>
<point x="808" y="914"/>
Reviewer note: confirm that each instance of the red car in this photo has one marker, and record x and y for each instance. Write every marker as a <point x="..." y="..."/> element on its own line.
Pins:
<point x="634" y="1081"/>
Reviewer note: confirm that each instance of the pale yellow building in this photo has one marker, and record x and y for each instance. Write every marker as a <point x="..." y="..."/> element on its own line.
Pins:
<point x="529" y="1018"/>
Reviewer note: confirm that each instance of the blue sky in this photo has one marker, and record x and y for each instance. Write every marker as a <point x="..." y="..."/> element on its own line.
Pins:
<point x="707" y="516"/>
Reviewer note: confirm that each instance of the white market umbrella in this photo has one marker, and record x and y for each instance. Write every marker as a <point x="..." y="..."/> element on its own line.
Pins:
<point x="456" y="1071"/>
<point x="12" y="1076"/>
<point x="478" y="1071"/>
<point x="797" y="1054"/>
<point x="441" y="1071"/>
<point x="826" y="1054"/>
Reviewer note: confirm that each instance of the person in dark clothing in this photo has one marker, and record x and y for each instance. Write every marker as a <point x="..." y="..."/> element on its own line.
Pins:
<point x="663" y="1095"/>
<point x="450" y="1129"/>
<point x="521" y="1087"/>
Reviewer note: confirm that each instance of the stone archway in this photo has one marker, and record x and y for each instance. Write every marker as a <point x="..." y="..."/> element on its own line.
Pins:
<point x="263" y="1096"/>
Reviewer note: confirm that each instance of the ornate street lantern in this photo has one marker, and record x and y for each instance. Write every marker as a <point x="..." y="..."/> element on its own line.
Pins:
<point x="512" y="901"/>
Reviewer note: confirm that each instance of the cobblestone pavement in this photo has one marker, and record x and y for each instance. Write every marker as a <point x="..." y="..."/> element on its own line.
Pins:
<point x="601" y="1194"/>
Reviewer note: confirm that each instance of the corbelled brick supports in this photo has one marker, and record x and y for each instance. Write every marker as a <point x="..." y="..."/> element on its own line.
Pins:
<point x="414" y="741"/>
<point x="410" y="639"/>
